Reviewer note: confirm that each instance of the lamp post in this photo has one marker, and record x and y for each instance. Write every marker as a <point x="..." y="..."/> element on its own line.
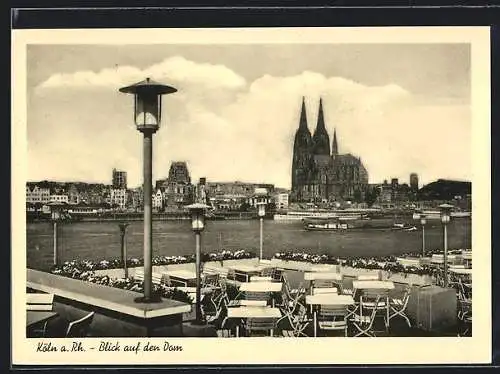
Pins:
<point x="423" y="221"/>
<point x="197" y="211"/>
<point x="55" y="214"/>
<point x="261" y="197"/>
<point x="445" y="219"/>
<point x="123" y="247"/>
<point x="147" y="116"/>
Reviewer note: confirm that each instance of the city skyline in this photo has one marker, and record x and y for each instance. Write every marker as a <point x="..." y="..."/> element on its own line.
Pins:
<point x="391" y="105"/>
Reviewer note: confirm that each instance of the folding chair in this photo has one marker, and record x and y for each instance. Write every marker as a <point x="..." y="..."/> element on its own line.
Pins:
<point x="333" y="318"/>
<point x="397" y="306"/>
<point x="363" y="323"/>
<point x="210" y="280"/>
<point x="298" y="320"/>
<point x="268" y="272"/>
<point x="376" y="301"/>
<point x="80" y="327"/>
<point x="260" y="326"/>
<point x="258" y="296"/>
<point x="465" y="317"/>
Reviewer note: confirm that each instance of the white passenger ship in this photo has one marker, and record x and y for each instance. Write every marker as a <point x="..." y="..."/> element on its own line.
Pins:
<point x="344" y="214"/>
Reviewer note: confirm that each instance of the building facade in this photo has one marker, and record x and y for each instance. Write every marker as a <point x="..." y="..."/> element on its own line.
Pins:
<point x="119" y="179"/>
<point x="320" y="173"/>
<point x="177" y="188"/>
<point x="37" y="194"/>
<point x="118" y="197"/>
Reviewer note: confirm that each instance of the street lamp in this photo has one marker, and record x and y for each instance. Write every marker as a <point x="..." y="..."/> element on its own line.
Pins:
<point x="445" y="219"/>
<point x="261" y="197"/>
<point x="197" y="211"/>
<point x="123" y="247"/>
<point x="147" y="116"/>
<point x="423" y="221"/>
<point x="56" y="216"/>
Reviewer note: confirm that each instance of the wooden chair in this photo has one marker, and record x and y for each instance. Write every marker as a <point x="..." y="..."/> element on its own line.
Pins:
<point x="260" y="326"/>
<point x="210" y="280"/>
<point x="333" y="318"/>
<point x="398" y="306"/>
<point x="80" y="327"/>
<point x="364" y="323"/>
<point x="257" y="296"/>
<point x="376" y="301"/>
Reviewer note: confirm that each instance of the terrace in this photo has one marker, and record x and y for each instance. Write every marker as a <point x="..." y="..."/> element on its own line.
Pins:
<point x="242" y="296"/>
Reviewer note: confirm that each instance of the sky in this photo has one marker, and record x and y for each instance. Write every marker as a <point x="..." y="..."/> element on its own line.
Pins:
<point x="402" y="108"/>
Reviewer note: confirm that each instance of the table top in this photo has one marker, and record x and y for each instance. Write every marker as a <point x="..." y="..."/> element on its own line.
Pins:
<point x="323" y="275"/>
<point x="322" y="290"/>
<point x="253" y="312"/>
<point x="461" y="271"/>
<point x="247" y="268"/>
<point x="182" y="274"/>
<point x="33" y="317"/>
<point x="261" y="286"/>
<point x="329" y="299"/>
<point x="257" y="278"/>
<point x="243" y="302"/>
<point x="324" y="267"/>
<point x="373" y="285"/>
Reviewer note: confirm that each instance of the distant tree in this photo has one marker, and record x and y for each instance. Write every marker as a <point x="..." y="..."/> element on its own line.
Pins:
<point x="244" y="207"/>
<point x="271" y="206"/>
<point x="371" y="196"/>
<point x="357" y="196"/>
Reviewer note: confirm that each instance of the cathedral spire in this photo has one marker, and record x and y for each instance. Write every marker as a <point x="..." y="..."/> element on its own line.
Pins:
<point x="335" y="149"/>
<point x="303" y="116"/>
<point x="320" y="137"/>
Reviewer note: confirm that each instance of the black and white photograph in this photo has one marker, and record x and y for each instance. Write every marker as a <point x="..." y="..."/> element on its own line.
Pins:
<point x="243" y="188"/>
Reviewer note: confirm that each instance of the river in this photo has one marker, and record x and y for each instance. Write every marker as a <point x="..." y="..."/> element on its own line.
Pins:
<point x="101" y="240"/>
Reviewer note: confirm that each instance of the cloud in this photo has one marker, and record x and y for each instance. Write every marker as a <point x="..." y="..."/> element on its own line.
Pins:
<point x="228" y="129"/>
<point x="174" y="69"/>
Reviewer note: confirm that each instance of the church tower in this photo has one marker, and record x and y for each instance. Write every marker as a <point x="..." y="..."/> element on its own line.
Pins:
<point x="321" y="140"/>
<point x="301" y="162"/>
<point x="335" y="149"/>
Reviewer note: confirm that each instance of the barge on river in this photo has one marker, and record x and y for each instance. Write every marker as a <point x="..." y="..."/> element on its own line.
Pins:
<point x="341" y="224"/>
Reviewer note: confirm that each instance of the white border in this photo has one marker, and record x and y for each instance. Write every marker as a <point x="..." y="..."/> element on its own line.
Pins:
<point x="476" y="349"/>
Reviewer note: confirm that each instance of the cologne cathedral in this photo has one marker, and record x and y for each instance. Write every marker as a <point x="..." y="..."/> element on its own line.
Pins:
<point x="321" y="174"/>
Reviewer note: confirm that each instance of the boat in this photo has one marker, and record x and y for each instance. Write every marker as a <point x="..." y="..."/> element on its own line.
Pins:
<point x="436" y="214"/>
<point x="345" y="214"/>
<point x="404" y="227"/>
<point x="327" y="225"/>
<point x="339" y="223"/>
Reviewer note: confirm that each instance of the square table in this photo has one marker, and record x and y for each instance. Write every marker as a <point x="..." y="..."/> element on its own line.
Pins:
<point x="263" y="287"/>
<point x="247" y="270"/>
<point x="182" y="276"/>
<point x="327" y="299"/>
<point x="252" y="312"/>
<point x="34" y="317"/>
<point x="258" y="278"/>
<point x="323" y="275"/>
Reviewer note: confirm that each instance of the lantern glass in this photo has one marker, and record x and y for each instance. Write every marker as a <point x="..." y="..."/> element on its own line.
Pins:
<point x="423" y="221"/>
<point x="198" y="221"/>
<point x="262" y="209"/>
<point x="147" y="111"/>
<point x="445" y="217"/>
